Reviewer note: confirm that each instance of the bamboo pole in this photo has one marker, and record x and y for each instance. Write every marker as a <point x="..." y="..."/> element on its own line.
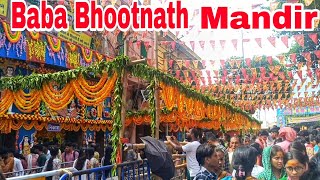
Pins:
<point x="156" y="91"/>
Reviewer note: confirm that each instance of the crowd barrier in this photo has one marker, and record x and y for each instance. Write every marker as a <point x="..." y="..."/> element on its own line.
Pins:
<point x="32" y="171"/>
<point x="125" y="171"/>
<point x="42" y="175"/>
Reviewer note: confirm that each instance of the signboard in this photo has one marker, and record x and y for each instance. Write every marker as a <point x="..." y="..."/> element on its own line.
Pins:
<point x="4" y="8"/>
<point x="293" y="120"/>
<point x="54" y="127"/>
<point x="73" y="36"/>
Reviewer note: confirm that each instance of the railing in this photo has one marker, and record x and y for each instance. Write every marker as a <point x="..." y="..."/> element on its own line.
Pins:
<point x="43" y="174"/>
<point x="125" y="171"/>
<point x="31" y="171"/>
<point x="180" y="166"/>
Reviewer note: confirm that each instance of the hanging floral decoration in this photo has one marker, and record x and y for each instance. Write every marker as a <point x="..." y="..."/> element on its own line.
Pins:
<point x="34" y="35"/>
<point x="54" y="43"/>
<point x="71" y="46"/>
<point x="13" y="37"/>
<point x="99" y="56"/>
<point x="87" y="55"/>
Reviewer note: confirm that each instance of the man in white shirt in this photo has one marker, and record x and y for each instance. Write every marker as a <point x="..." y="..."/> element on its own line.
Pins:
<point x="17" y="167"/>
<point x="190" y="150"/>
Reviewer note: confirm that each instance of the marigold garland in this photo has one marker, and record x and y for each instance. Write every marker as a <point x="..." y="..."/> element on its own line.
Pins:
<point x="99" y="56"/>
<point x="55" y="46"/>
<point x="87" y="57"/>
<point x="34" y="35"/>
<point x="13" y="37"/>
<point x="71" y="46"/>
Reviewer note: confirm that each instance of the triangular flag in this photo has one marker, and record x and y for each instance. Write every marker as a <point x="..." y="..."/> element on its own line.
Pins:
<point x="222" y="43"/>
<point x="213" y="44"/>
<point x="235" y="43"/>
<point x="269" y="59"/>
<point x="314" y="37"/>
<point x="202" y="44"/>
<point x="177" y="33"/>
<point x="187" y="63"/>
<point x="307" y="55"/>
<point x="308" y="2"/>
<point x="272" y="40"/>
<point x="281" y="59"/>
<point x="274" y="5"/>
<point x="223" y="63"/>
<point x="284" y="39"/>
<point x="192" y="45"/>
<point x="171" y="63"/>
<point x="232" y="63"/>
<point x="179" y="63"/>
<point x="317" y="53"/>
<point x="248" y="62"/>
<point x="238" y="62"/>
<point x="173" y="45"/>
<point x="300" y="39"/>
<point x="258" y="40"/>
<point x="293" y="58"/>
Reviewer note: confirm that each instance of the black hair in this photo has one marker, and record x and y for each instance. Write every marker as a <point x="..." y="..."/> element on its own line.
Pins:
<point x="204" y="151"/>
<point x="196" y="133"/>
<point x="301" y="139"/>
<point x="274" y="150"/>
<point x="274" y="130"/>
<point x="318" y="139"/>
<point x="303" y="133"/>
<point x="263" y="133"/>
<point x="297" y="146"/>
<point x="257" y="147"/>
<point x="312" y="138"/>
<point x="54" y="152"/>
<point x="243" y="160"/>
<point x="314" y="168"/>
<point x="314" y="132"/>
<point x="298" y="155"/>
<point x="90" y="153"/>
<point x="81" y="159"/>
<point x="211" y="137"/>
<point x="39" y="147"/>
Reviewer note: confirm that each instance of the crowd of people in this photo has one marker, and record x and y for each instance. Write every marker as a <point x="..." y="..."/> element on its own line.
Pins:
<point x="276" y="154"/>
<point x="48" y="157"/>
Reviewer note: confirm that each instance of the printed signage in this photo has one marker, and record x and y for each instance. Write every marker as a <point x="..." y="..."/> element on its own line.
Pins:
<point x="53" y="127"/>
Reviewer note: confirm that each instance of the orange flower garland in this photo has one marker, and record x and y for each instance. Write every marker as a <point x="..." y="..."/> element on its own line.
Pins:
<point x="34" y="35"/>
<point x="13" y="37"/>
<point x="87" y="57"/>
<point x="55" y="46"/>
<point x="71" y="46"/>
<point x="99" y="56"/>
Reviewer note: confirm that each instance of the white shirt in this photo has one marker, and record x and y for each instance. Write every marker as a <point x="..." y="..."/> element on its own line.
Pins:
<point x="192" y="163"/>
<point x="256" y="171"/>
<point x="17" y="167"/>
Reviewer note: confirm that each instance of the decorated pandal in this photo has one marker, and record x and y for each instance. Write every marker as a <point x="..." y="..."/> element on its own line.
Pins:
<point x="88" y="96"/>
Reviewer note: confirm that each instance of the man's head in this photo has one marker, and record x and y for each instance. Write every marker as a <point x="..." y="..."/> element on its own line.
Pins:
<point x="212" y="139"/>
<point x="234" y="142"/>
<point x="274" y="133"/>
<point x="263" y="134"/>
<point x="221" y="160"/>
<point x="68" y="148"/>
<point x="207" y="157"/>
<point x="193" y="134"/>
<point x="10" y="71"/>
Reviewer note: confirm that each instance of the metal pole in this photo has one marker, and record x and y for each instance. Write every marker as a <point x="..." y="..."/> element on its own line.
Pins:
<point x="156" y="92"/>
